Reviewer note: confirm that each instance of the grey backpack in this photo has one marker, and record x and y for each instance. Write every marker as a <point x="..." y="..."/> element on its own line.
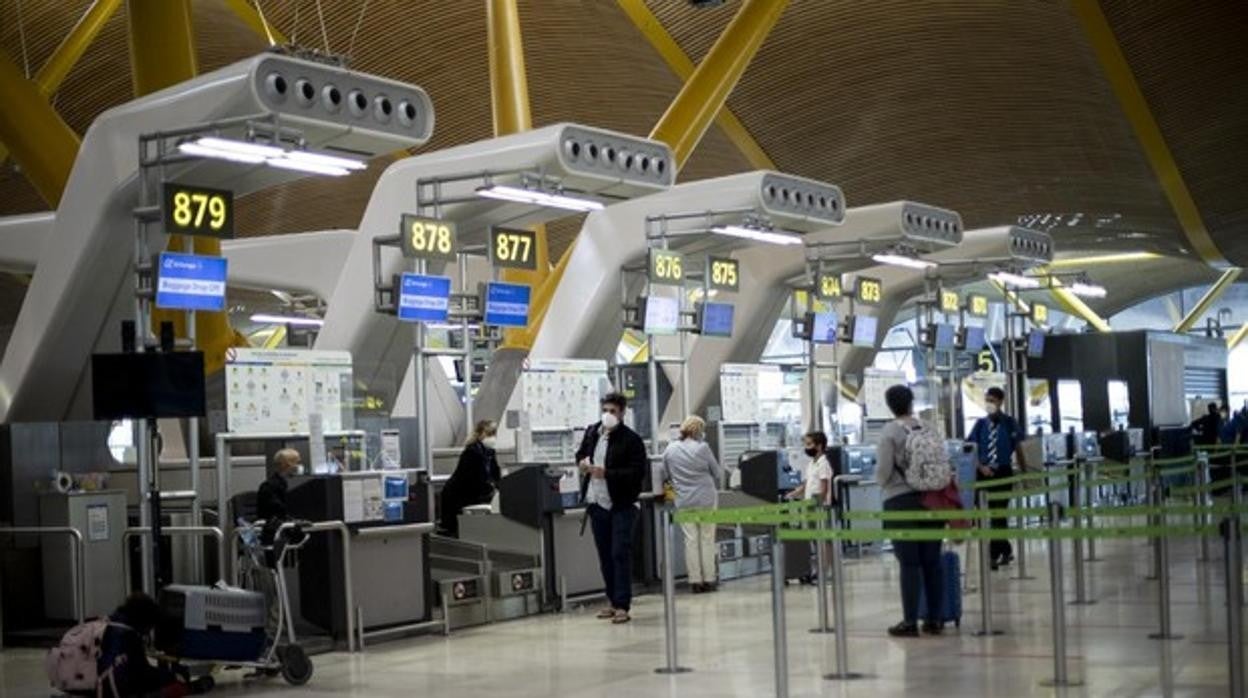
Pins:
<point x="927" y="462"/>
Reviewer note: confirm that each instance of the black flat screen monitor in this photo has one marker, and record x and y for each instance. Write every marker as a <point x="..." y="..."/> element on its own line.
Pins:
<point x="941" y="335"/>
<point x="148" y="385"/>
<point x="1035" y="344"/>
<point x="823" y="327"/>
<point x="716" y="319"/>
<point x="972" y="339"/>
<point x="864" y="328"/>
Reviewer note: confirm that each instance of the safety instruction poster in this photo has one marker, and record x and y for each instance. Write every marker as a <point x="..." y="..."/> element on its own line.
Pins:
<point x="874" y="384"/>
<point x="745" y="388"/>
<point x="564" y="393"/>
<point x="274" y="390"/>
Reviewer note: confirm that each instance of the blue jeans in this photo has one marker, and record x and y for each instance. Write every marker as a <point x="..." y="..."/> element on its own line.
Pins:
<point x="613" y="536"/>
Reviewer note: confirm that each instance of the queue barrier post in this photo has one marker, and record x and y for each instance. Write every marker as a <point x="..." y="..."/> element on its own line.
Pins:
<point x="985" y="579"/>
<point x="1081" y="582"/>
<point x="1090" y="475"/>
<point x="778" y="630"/>
<point x="1020" y="523"/>
<point x="1233" y="555"/>
<point x="1058" y="593"/>
<point x="77" y="560"/>
<point x="1154" y="498"/>
<point x="821" y="580"/>
<point x="1163" y="581"/>
<point x="841" y="631"/>
<point x="669" y="594"/>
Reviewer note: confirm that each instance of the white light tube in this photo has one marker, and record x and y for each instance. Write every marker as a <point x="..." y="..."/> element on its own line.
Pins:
<point x="538" y="198"/>
<point x="1079" y="288"/>
<point x="310" y="167"/>
<point x="323" y="159"/>
<point x="244" y="147"/>
<point x="206" y="152"/>
<point x="268" y="319"/>
<point x="1010" y="279"/>
<point x="740" y="231"/>
<point x="898" y="260"/>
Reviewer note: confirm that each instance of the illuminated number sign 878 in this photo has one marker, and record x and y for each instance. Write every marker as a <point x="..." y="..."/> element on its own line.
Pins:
<point x="193" y="210"/>
<point x="427" y="238"/>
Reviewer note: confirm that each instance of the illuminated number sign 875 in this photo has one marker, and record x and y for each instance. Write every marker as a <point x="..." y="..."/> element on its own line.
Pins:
<point x="428" y="238"/>
<point x="724" y="274"/>
<point x="192" y="210"/>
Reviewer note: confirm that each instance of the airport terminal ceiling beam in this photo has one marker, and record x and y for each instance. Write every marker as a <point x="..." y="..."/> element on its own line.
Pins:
<point x="41" y="143"/>
<point x="1238" y="337"/>
<point x="1211" y="296"/>
<point x="1075" y="306"/>
<point x="509" y="99"/>
<point x="1135" y="107"/>
<point x="49" y="78"/>
<point x="252" y="17"/>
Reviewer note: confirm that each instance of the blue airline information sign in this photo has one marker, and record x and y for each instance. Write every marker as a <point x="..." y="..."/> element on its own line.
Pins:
<point x="190" y="282"/>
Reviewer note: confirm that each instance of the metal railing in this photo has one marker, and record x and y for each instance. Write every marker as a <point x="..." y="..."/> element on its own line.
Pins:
<point x="78" y="560"/>
<point x="172" y="531"/>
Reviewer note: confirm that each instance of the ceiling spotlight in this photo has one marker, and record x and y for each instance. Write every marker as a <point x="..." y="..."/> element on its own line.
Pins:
<point x="1012" y="280"/>
<point x="898" y="260"/>
<point x="741" y="231"/>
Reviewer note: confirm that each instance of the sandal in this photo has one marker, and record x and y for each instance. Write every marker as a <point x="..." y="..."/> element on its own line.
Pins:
<point x="606" y="614"/>
<point x="620" y="618"/>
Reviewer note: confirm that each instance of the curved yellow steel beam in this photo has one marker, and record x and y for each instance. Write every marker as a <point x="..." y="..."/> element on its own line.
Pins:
<point x="1211" y="296"/>
<point x="41" y="143"/>
<point x="256" y="21"/>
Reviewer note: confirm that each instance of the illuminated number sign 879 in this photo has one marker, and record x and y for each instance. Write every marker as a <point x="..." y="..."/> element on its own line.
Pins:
<point x="193" y="210"/>
<point x="427" y="238"/>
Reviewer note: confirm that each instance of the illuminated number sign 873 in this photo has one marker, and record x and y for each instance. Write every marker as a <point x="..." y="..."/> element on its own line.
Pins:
<point x="427" y="238"/>
<point x="192" y="210"/>
<point x="870" y="291"/>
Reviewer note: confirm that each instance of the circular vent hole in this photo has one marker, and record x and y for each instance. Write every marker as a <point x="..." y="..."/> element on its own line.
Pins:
<point x="331" y="97"/>
<point x="305" y="92"/>
<point x="358" y="102"/>
<point x="407" y="113"/>
<point x="276" y="85"/>
<point x="382" y="108"/>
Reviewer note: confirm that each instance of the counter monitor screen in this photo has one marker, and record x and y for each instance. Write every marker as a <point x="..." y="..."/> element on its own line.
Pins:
<point x="863" y="330"/>
<point x="715" y="319"/>
<point x="822" y="327"/>
<point x="1035" y="344"/>
<point x="944" y="335"/>
<point x="660" y="315"/>
<point x="148" y="385"/>
<point x="972" y="339"/>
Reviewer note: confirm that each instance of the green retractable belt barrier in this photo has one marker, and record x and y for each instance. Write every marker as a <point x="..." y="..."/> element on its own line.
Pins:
<point x="1033" y="492"/>
<point x="956" y="534"/>
<point x="1023" y="477"/>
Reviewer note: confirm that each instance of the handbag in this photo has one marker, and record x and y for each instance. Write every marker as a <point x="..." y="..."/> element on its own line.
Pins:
<point x="945" y="499"/>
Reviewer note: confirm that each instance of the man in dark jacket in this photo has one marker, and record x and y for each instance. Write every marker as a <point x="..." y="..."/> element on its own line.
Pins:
<point x="1205" y="429"/>
<point x="271" y="508"/>
<point x="613" y="463"/>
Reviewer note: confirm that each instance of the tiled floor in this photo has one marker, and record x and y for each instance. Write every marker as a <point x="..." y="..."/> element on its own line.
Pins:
<point x="726" y="638"/>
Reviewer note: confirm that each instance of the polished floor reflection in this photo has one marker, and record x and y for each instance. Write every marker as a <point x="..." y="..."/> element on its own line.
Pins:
<point x="727" y="639"/>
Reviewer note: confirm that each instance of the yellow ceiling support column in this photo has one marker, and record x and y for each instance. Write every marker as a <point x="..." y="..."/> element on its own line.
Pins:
<point x="1211" y="296"/>
<point x="1238" y="337"/>
<point x="49" y="78"/>
<point x="1147" y="132"/>
<point x="689" y="115"/>
<point x="509" y="99"/>
<point x="162" y="53"/>
<point x="1075" y="306"/>
<point x="256" y="21"/>
<point x="41" y="143"/>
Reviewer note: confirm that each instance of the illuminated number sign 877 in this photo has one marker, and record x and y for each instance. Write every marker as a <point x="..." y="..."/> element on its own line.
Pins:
<point x="193" y="210"/>
<point x="513" y="248"/>
<point x="427" y="238"/>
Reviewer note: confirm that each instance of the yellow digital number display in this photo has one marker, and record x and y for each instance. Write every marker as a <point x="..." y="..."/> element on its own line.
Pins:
<point x="667" y="267"/>
<point x="1040" y="313"/>
<point x="977" y="305"/>
<point x="869" y="291"/>
<point x="512" y="248"/>
<point x="986" y="362"/>
<point x="723" y="273"/>
<point x="192" y="210"/>
<point x="427" y="238"/>
<point x="828" y="286"/>
<point x="950" y="302"/>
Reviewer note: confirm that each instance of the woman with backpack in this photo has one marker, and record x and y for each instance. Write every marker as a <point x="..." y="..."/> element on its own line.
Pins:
<point x="920" y="560"/>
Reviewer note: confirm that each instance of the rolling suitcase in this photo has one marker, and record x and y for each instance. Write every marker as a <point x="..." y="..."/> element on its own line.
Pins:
<point x="951" y="604"/>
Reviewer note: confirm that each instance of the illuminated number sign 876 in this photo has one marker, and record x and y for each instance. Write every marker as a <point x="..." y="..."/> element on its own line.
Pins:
<point x="666" y="267"/>
<point x="193" y="210"/>
<point x="427" y="238"/>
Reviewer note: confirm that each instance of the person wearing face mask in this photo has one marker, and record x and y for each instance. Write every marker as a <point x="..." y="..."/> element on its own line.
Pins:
<point x="475" y="478"/>
<point x="271" y="508"/>
<point x="613" y="462"/>
<point x="690" y="466"/>
<point x="996" y="439"/>
<point x="817" y="483"/>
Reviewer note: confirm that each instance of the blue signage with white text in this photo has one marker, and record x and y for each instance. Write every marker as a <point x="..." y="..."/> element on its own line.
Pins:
<point x="506" y="305"/>
<point x="424" y="298"/>
<point x="190" y="282"/>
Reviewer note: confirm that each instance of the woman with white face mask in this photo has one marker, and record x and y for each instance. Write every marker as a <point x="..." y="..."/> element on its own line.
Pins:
<point x="475" y="478"/>
<point x="691" y="468"/>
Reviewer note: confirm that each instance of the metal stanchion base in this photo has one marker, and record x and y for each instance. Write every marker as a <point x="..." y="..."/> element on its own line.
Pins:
<point x="846" y="676"/>
<point x="988" y="633"/>
<point x="1085" y="602"/>
<point x="677" y="670"/>
<point x="1054" y="683"/>
<point x="1022" y="578"/>
<point x="1164" y="636"/>
<point x="823" y="631"/>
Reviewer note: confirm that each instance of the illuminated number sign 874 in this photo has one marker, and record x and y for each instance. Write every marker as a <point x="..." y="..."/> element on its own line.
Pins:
<point x="192" y="210"/>
<point x="427" y="238"/>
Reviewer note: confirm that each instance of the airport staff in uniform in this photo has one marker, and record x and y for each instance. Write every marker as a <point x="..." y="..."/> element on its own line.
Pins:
<point x="475" y="478"/>
<point x="613" y="461"/>
<point x="996" y="439"/>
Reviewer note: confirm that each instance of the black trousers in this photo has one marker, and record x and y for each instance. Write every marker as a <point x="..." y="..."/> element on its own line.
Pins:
<point x="998" y="549"/>
<point x="919" y="560"/>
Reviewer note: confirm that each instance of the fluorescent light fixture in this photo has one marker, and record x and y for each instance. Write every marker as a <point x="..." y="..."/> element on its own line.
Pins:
<point x="244" y="147"/>
<point x="205" y="152"/>
<point x="323" y="159"/>
<point x="1013" y="280"/>
<point x="898" y="260"/>
<point x="538" y="198"/>
<point x="1086" y="290"/>
<point x="310" y="167"/>
<point x="740" y="231"/>
<point x="1104" y="259"/>
<point x="297" y="320"/>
